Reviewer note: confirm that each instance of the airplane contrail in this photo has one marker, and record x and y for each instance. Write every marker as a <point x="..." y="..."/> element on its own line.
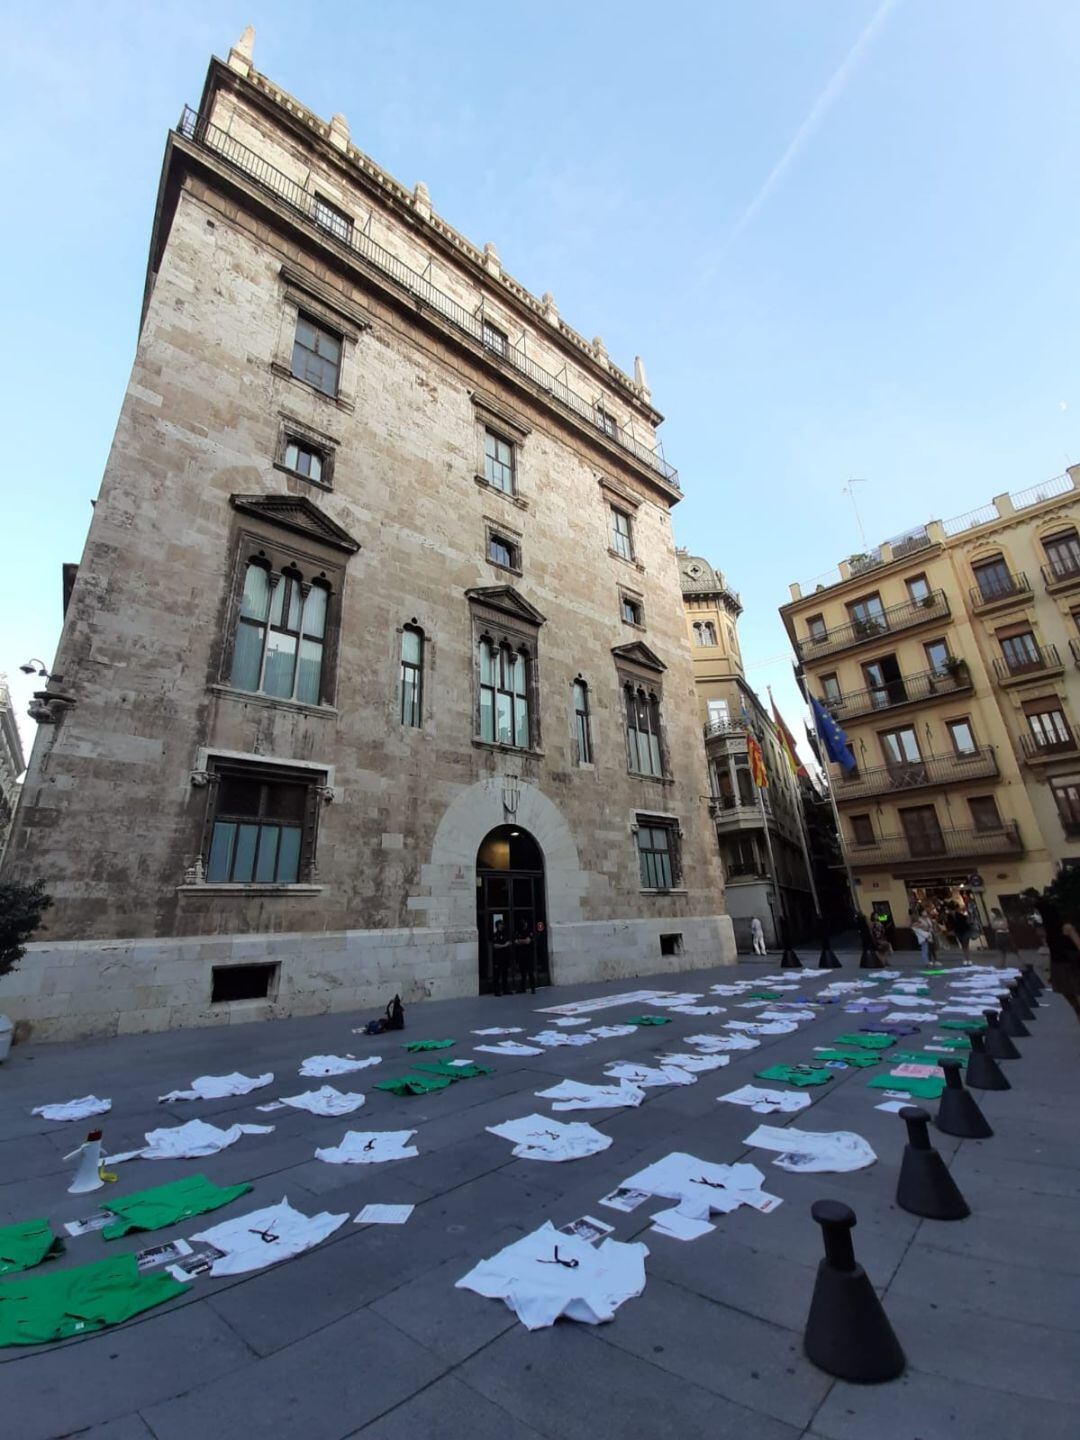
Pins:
<point x="837" y="83"/>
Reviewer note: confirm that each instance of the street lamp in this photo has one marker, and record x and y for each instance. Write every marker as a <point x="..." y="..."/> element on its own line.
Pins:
<point x="31" y="665"/>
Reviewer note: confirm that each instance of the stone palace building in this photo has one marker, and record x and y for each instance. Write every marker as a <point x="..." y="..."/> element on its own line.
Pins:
<point x="377" y="640"/>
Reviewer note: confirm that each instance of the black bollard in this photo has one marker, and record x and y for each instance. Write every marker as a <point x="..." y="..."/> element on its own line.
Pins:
<point x="1033" y="980"/>
<point x="847" y="1332"/>
<point x="958" y="1111"/>
<point x="1021" y="1006"/>
<point x="983" y="1072"/>
<point x="998" y="1044"/>
<point x="1008" y="1020"/>
<point x="789" y="960"/>
<point x="827" y="960"/>
<point x="925" y="1186"/>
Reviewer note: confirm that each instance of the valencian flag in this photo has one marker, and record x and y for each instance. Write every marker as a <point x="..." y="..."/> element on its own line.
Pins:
<point x="757" y="762"/>
<point x="832" y="737"/>
<point x="787" y="741"/>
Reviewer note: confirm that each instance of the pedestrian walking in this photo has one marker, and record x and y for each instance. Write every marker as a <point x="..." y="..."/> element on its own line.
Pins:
<point x="1063" y="942"/>
<point x="525" y="951"/>
<point x="923" y="930"/>
<point x="1003" y="940"/>
<point x="757" y="936"/>
<point x="959" y="927"/>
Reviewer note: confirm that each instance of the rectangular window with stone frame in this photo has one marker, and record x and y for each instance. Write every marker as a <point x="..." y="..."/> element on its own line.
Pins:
<point x="261" y="823"/>
<point x="316" y="356"/>
<point x="285" y="606"/>
<point x="305" y="453"/>
<point x="658" y="852"/>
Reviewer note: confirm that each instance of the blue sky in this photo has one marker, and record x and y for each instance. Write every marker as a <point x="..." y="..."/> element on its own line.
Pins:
<point x="841" y="233"/>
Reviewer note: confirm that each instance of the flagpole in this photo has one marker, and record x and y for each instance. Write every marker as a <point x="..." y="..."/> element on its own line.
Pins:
<point x="781" y="917"/>
<point x="855" y="908"/>
<point x="803" y="840"/>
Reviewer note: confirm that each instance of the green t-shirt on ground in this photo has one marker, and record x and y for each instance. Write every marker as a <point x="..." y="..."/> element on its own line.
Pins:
<point x="414" y="1084"/>
<point x="648" y="1020"/>
<point x="928" y="1088"/>
<point x="800" y="1075"/>
<point x="857" y="1058"/>
<point x="168" y="1204"/>
<point x="866" y="1042"/>
<point x="970" y="1025"/>
<point x="35" y="1309"/>
<point x="415" y="1045"/>
<point x="26" y="1245"/>
<point x="453" y="1070"/>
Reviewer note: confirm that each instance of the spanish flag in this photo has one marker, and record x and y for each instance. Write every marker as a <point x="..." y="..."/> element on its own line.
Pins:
<point x="787" y="743"/>
<point x="757" y="762"/>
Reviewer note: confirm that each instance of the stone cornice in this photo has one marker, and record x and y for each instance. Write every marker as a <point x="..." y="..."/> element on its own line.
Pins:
<point x="383" y="189"/>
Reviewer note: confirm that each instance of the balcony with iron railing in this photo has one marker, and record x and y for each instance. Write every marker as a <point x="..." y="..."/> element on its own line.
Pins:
<point x="733" y="813"/>
<point x="906" y="775"/>
<point x="724" y="730"/>
<point x="202" y="132"/>
<point x="1038" y="748"/>
<point x="953" y="845"/>
<point x="1062" y="573"/>
<point x="871" y="628"/>
<point x="999" y="590"/>
<point x="1036" y="664"/>
<point x="927" y="685"/>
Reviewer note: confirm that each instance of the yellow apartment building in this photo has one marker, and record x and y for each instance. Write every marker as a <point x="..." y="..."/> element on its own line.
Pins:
<point x="758" y="839"/>
<point x="950" y="657"/>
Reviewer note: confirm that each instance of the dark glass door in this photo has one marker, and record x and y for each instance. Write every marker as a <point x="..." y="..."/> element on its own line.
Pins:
<point x="514" y="899"/>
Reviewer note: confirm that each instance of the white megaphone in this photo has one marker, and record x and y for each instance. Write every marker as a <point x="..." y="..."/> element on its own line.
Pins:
<point x="88" y="1175"/>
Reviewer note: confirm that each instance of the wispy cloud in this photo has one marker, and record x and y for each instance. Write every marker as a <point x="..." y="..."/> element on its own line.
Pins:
<point x="837" y="84"/>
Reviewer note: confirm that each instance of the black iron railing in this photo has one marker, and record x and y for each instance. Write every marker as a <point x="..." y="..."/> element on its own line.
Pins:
<point x="926" y="685"/>
<point x="997" y="587"/>
<point x="916" y="774"/>
<point x="203" y="132"/>
<point x="1062" y="570"/>
<point x="934" y="606"/>
<point x="731" y="729"/>
<point x="936" y="845"/>
<point x="1046" y="747"/>
<point x="1038" y="661"/>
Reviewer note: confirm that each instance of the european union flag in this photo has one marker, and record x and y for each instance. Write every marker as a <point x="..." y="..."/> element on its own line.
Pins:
<point x="837" y="745"/>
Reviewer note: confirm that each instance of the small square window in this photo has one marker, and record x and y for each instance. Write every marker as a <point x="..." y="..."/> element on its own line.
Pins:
<point x="632" y="612"/>
<point x="303" y="458"/>
<point x="830" y="688"/>
<point x="501" y="551"/>
<point x="671" y="944"/>
<point x="498" y="462"/>
<point x="862" y="830"/>
<point x="495" y="339"/>
<point x="329" y="217"/>
<point x="316" y="357"/>
<point x="962" y="737"/>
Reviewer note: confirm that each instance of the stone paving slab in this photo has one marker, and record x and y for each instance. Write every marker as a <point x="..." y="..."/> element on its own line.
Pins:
<point x="367" y="1336"/>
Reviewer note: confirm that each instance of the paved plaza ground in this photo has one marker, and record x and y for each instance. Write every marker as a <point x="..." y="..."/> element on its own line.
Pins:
<point x="366" y="1335"/>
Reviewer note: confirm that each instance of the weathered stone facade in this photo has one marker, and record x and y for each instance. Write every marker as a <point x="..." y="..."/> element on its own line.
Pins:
<point x="118" y="810"/>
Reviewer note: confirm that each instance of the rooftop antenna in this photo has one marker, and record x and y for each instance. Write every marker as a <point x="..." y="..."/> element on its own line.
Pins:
<point x="847" y="490"/>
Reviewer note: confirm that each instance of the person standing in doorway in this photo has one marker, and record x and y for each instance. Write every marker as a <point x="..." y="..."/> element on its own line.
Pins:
<point x="500" y="958"/>
<point x="757" y="936"/>
<point x="525" y="950"/>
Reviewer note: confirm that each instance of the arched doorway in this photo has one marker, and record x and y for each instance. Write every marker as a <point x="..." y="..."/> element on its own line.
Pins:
<point x="510" y="897"/>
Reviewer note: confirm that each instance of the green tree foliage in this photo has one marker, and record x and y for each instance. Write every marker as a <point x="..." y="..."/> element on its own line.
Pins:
<point x="21" y="909"/>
